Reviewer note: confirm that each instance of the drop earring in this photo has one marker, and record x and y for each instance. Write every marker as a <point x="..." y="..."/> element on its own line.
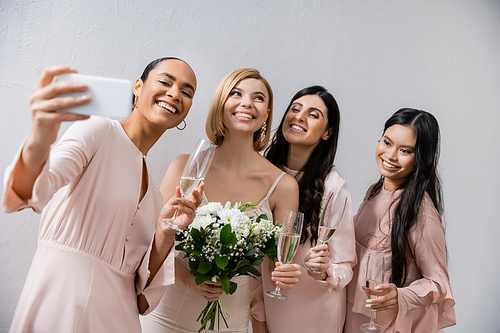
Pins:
<point x="263" y="132"/>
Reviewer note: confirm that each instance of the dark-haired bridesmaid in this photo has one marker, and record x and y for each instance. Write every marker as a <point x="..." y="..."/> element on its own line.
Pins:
<point x="304" y="146"/>
<point x="400" y="239"/>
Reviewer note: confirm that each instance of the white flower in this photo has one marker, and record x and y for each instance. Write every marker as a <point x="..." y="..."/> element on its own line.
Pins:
<point x="210" y="208"/>
<point x="202" y="221"/>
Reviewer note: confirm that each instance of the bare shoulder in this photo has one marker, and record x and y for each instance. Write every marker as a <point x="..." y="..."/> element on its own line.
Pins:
<point x="173" y="175"/>
<point x="287" y="184"/>
<point x="178" y="162"/>
<point x="287" y="189"/>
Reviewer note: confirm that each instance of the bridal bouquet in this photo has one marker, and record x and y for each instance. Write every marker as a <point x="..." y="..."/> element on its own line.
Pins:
<point x="223" y="242"/>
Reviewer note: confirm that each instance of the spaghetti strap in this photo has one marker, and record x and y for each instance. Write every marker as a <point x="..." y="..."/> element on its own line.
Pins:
<point x="204" y="199"/>
<point x="274" y="185"/>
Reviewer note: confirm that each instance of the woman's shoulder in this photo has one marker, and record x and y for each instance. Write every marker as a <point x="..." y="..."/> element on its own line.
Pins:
<point x="173" y="175"/>
<point x="286" y="182"/>
<point x="429" y="214"/>
<point x="334" y="180"/>
<point x="429" y="229"/>
<point x="88" y="134"/>
<point x="179" y="161"/>
<point x="92" y="126"/>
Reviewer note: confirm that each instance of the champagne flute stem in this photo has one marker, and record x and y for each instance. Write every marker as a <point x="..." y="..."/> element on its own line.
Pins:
<point x="171" y="222"/>
<point x="372" y="319"/>
<point x="174" y="218"/>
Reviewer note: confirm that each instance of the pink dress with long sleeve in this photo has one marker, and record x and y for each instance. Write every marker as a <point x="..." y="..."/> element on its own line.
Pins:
<point x="426" y="301"/>
<point x="95" y="235"/>
<point x="313" y="306"/>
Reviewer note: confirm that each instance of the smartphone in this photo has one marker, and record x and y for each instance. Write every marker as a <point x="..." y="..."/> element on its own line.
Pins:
<point x="110" y="97"/>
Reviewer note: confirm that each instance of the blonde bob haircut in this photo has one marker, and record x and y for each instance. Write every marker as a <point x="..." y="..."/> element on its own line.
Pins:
<point x="215" y="128"/>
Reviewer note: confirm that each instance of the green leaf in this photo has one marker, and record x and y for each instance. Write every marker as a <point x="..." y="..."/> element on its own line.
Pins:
<point x="201" y="278"/>
<point x="196" y="234"/>
<point x="226" y="235"/>
<point x="233" y="239"/>
<point x="241" y="263"/>
<point x="250" y="251"/>
<point x="225" y="250"/>
<point x="193" y="265"/>
<point x="204" y="267"/>
<point x="258" y="261"/>
<point x="224" y="280"/>
<point x="245" y="206"/>
<point x="254" y="271"/>
<point x="221" y="262"/>
<point x="261" y="217"/>
<point x="232" y="287"/>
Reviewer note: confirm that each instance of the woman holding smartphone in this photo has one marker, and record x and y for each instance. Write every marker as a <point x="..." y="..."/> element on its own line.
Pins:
<point x="102" y="258"/>
<point x="305" y="146"/>
<point x="239" y="123"/>
<point x="400" y="239"/>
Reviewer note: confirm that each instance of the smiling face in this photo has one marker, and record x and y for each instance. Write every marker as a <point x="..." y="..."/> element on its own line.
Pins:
<point x="306" y="122"/>
<point x="166" y="96"/>
<point x="395" y="155"/>
<point x="246" y="108"/>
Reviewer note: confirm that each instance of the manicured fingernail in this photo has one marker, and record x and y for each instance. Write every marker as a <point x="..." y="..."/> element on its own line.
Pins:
<point x="84" y="98"/>
<point x="374" y="310"/>
<point x="377" y="288"/>
<point x="369" y="301"/>
<point x="368" y="305"/>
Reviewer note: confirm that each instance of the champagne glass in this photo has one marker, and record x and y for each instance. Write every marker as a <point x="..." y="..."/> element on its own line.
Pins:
<point x="194" y="173"/>
<point x="329" y="222"/>
<point x="288" y="244"/>
<point x="373" y="278"/>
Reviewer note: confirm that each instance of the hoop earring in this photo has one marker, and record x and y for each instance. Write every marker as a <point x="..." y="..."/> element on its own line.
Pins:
<point x="263" y="132"/>
<point x="182" y="129"/>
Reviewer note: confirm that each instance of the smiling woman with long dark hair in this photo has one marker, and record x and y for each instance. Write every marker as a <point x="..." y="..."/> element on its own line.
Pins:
<point x="400" y="235"/>
<point x="304" y="146"/>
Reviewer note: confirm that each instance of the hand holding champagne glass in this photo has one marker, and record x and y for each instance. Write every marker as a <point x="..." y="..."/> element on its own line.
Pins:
<point x="288" y="244"/>
<point x="329" y="222"/>
<point x="374" y="276"/>
<point x="194" y="173"/>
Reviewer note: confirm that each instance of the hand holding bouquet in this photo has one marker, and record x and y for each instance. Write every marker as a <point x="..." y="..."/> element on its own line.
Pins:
<point x="223" y="242"/>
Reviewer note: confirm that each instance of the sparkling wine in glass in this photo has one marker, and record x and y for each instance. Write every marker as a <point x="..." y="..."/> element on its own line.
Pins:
<point x="329" y="222"/>
<point x="374" y="276"/>
<point x="194" y="173"/>
<point x="288" y="244"/>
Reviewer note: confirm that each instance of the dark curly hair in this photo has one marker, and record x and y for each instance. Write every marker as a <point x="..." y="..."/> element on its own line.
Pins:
<point x="319" y="165"/>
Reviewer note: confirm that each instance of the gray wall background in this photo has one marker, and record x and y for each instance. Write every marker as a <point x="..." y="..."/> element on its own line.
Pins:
<point x="375" y="57"/>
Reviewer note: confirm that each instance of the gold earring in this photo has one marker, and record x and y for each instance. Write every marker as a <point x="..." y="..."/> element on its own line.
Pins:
<point x="263" y="132"/>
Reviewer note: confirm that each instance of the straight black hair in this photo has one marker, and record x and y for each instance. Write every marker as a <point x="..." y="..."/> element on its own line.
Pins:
<point x="423" y="179"/>
<point x="320" y="163"/>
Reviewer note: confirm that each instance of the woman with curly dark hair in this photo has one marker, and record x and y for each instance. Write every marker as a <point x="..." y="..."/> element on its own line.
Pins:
<point x="304" y="146"/>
